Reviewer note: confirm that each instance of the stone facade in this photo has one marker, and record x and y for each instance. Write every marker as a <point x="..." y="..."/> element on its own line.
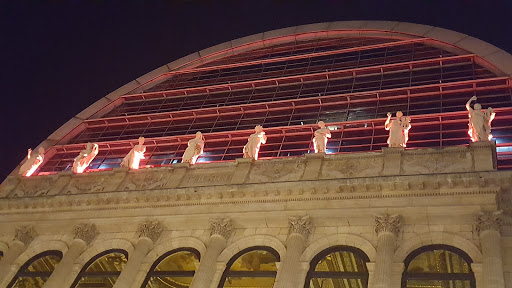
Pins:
<point x="386" y="203"/>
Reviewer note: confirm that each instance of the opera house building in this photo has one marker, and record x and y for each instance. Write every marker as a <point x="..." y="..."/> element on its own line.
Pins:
<point x="333" y="155"/>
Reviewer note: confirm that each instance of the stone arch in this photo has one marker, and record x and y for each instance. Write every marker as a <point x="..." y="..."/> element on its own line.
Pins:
<point x="101" y="246"/>
<point x="38" y="247"/>
<point x="494" y="57"/>
<point x="430" y="238"/>
<point x="175" y="243"/>
<point x="255" y="240"/>
<point x="335" y="240"/>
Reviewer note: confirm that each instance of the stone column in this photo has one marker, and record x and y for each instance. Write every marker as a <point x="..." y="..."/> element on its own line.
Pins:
<point x="300" y="228"/>
<point x="387" y="228"/>
<point x="84" y="234"/>
<point x="23" y="236"/>
<point x="488" y="225"/>
<point x="221" y="230"/>
<point x="149" y="231"/>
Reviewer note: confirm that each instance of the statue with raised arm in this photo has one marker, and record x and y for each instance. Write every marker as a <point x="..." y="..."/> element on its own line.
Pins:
<point x="479" y="121"/>
<point x="321" y="136"/>
<point x="132" y="159"/>
<point x="85" y="158"/>
<point x="398" y="130"/>
<point x="252" y="148"/>
<point x="194" y="149"/>
<point x="33" y="161"/>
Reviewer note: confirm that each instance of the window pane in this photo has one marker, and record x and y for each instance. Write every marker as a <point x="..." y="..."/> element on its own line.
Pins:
<point x="438" y="284"/>
<point x="257" y="260"/>
<point x="101" y="281"/>
<point x="342" y="261"/>
<point x="335" y="283"/>
<point x="245" y="282"/>
<point x="180" y="261"/>
<point x="167" y="282"/>
<point x="438" y="261"/>
<point x="35" y="282"/>
<point x="103" y="272"/>
<point x="45" y="264"/>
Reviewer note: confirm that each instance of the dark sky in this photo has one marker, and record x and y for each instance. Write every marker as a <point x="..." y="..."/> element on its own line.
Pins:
<point x="58" y="57"/>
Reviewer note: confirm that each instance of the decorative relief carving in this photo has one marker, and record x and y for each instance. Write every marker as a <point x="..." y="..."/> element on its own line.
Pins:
<point x="200" y="179"/>
<point x="387" y="223"/>
<point x="25" y="234"/>
<point x="143" y="180"/>
<point x="350" y="167"/>
<point x="32" y="187"/>
<point x="436" y="162"/>
<point x="221" y="226"/>
<point x="87" y="184"/>
<point x="86" y="232"/>
<point x="151" y="229"/>
<point x="300" y="225"/>
<point x="272" y="171"/>
<point x="489" y="220"/>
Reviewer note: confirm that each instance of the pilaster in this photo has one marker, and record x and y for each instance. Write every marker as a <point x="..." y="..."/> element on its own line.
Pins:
<point x="488" y="225"/>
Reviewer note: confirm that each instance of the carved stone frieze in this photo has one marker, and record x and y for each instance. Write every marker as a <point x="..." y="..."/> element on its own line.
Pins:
<point x="151" y="229"/>
<point x="273" y="171"/>
<point x="37" y="186"/>
<point x="25" y="234"/>
<point x="204" y="177"/>
<point x="221" y="226"/>
<point x="387" y="223"/>
<point x="86" y="232"/>
<point x="489" y="220"/>
<point x="86" y="184"/>
<point x="143" y="180"/>
<point x="352" y="166"/>
<point x="300" y="225"/>
<point x="420" y="163"/>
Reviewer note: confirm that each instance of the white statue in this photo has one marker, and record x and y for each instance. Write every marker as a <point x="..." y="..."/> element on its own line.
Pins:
<point x="132" y="159"/>
<point x="321" y="135"/>
<point x="194" y="149"/>
<point x="33" y="161"/>
<point x="479" y="122"/>
<point x="85" y="158"/>
<point x="254" y="142"/>
<point x="398" y="130"/>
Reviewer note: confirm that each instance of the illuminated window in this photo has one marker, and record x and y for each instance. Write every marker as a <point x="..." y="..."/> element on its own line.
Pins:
<point x="173" y="269"/>
<point x="102" y="270"/>
<point x="339" y="266"/>
<point x="438" y="266"/>
<point x="251" y="267"/>
<point x="36" y="271"/>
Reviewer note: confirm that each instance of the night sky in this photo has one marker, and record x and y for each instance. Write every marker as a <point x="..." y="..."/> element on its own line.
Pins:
<point x="58" y="57"/>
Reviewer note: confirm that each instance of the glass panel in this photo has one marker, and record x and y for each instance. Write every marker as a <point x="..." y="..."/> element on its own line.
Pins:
<point x="245" y="282"/>
<point x="44" y="264"/>
<point x="101" y="281"/>
<point x="109" y="262"/>
<point x="33" y="282"/>
<point x="110" y="265"/>
<point x="438" y="261"/>
<point x="180" y="261"/>
<point x="342" y="261"/>
<point x="438" y="284"/>
<point x="335" y="283"/>
<point x="169" y="282"/>
<point x="257" y="260"/>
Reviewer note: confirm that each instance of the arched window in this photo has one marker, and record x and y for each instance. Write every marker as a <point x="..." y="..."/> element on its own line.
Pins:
<point x="338" y="266"/>
<point x="438" y="266"/>
<point x="251" y="267"/>
<point x="175" y="268"/>
<point x="36" y="271"/>
<point x="102" y="270"/>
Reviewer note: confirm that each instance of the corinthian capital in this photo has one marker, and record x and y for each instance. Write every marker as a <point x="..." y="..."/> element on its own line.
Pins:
<point x="86" y="232"/>
<point x="25" y="234"/>
<point x="488" y="220"/>
<point x="222" y="227"/>
<point x="151" y="229"/>
<point x="387" y="223"/>
<point x="300" y="225"/>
